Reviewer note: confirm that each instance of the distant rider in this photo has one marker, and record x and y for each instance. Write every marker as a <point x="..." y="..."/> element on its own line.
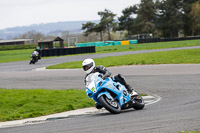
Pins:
<point x="36" y="54"/>
<point x="89" y="67"/>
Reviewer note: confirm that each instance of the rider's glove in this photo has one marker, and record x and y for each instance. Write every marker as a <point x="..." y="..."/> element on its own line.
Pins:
<point x="104" y="77"/>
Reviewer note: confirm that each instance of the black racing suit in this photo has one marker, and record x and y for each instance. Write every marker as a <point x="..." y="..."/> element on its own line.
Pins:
<point x="117" y="78"/>
<point x="39" y="55"/>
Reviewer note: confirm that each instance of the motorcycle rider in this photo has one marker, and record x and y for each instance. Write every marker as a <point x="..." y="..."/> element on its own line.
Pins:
<point x="89" y="67"/>
<point x="36" y="53"/>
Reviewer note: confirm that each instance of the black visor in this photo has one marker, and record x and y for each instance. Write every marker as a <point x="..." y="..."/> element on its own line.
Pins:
<point x="88" y="66"/>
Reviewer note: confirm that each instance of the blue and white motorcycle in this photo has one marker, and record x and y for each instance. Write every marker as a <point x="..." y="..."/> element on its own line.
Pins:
<point x="111" y="95"/>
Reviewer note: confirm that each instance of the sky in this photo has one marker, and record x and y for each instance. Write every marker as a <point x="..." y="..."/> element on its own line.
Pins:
<point x="27" y="12"/>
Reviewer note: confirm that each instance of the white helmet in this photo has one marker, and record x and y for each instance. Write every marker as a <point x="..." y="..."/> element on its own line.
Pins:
<point x="88" y="65"/>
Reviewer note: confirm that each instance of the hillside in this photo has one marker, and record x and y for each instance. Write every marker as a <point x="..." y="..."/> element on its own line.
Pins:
<point x="47" y="29"/>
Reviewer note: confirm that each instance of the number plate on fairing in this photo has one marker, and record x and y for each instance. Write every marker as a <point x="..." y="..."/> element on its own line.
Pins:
<point x="91" y="86"/>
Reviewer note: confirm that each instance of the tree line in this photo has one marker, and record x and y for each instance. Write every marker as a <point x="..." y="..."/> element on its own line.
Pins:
<point x="161" y="18"/>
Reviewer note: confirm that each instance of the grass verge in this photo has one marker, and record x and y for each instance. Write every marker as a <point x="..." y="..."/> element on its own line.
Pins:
<point x="19" y="104"/>
<point x="167" y="57"/>
<point x="24" y="54"/>
<point x="15" y="55"/>
<point x="17" y="47"/>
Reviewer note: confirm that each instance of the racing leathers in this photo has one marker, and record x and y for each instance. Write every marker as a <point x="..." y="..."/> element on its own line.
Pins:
<point x="117" y="78"/>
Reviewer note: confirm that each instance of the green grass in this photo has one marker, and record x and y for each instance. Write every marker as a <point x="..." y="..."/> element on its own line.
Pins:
<point x="18" y="103"/>
<point x="17" y="47"/>
<point x="167" y="57"/>
<point x="24" y="54"/>
<point x="15" y="55"/>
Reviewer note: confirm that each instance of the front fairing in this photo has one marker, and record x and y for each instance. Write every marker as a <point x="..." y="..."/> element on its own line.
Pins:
<point x="93" y="83"/>
<point x="96" y="87"/>
<point x="119" y="91"/>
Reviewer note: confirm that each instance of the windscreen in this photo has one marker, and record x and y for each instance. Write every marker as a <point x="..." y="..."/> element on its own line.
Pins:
<point x="92" y="77"/>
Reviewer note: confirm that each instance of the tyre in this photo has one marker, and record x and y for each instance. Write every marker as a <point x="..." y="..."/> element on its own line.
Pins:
<point x="111" y="105"/>
<point x="31" y="61"/>
<point x="98" y="106"/>
<point x="34" y="61"/>
<point x="138" y="103"/>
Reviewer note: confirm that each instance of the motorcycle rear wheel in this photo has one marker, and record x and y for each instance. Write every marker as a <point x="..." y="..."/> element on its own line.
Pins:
<point x="111" y="105"/>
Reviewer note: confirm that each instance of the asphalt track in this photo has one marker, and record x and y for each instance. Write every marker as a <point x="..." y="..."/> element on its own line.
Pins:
<point x="178" y="86"/>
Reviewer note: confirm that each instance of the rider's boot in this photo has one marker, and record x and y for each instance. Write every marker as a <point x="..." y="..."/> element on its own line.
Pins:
<point x="98" y="106"/>
<point x="131" y="91"/>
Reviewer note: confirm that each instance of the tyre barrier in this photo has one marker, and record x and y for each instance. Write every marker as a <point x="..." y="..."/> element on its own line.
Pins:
<point x="67" y="51"/>
<point x="150" y="40"/>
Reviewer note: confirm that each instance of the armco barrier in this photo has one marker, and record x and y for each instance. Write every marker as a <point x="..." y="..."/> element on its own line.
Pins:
<point x="67" y="51"/>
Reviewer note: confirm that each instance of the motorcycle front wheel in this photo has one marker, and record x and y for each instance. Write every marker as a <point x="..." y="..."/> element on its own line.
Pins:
<point x="32" y="61"/>
<point x="111" y="105"/>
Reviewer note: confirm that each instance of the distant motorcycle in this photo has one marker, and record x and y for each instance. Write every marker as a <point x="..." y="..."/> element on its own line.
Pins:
<point x="34" y="57"/>
<point x="113" y="96"/>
